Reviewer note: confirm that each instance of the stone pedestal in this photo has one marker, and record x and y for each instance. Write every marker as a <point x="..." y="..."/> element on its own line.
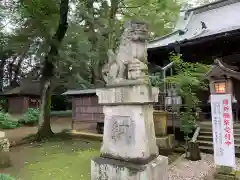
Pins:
<point x="160" y="122"/>
<point x="129" y="149"/>
<point x="4" y="151"/>
<point x="225" y="173"/>
<point x="110" y="169"/>
<point x="165" y="142"/>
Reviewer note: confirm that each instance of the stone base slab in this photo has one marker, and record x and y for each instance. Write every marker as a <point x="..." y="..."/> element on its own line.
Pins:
<point x="132" y="94"/>
<point x="110" y="169"/>
<point x="219" y="176"/>
<point x="225" y="173"/>
<point x="2" y="134"/>
<point x="165" y="142"/>
<point x="160" y="122"/>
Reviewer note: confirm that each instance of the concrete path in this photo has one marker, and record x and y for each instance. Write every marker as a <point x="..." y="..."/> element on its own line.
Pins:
<point x="57" y="125"/>
<point x="183" y="169"/>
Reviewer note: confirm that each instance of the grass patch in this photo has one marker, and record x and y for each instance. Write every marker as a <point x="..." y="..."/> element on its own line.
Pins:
<point x="55" y="159"/>
<point x="58" y="158"/>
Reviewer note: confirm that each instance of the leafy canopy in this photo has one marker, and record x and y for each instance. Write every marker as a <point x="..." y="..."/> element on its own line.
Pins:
<point x="189" y="79"/>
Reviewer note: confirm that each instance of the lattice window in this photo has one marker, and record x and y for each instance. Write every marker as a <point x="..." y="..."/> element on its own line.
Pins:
<point x="220" y="87"/>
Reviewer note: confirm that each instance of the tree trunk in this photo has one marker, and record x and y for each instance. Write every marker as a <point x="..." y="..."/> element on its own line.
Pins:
<point x="2" y="64"/>
<point x="17" y="70"/>
<point x="194" y="151"/>
<point x="44" y="127"/>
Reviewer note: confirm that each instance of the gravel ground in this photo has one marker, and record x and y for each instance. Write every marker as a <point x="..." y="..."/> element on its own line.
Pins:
<point x="183" y="169"/>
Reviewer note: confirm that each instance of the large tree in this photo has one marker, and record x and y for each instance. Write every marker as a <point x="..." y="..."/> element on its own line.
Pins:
<point x="47" y="74"/>
<point x="36" y="45"/>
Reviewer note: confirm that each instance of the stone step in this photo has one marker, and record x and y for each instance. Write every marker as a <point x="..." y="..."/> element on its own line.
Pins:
<point x="209" y="131"/>
<point x="210" y="143"/>
<point x="209" y="149"/>
<point x="209" y="126"/>
<point x="206" y="149"/>
<point x="210" y="138"/>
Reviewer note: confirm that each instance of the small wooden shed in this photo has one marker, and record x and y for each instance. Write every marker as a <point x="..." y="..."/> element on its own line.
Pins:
<point x="26" y="95"/>
<point x="85" y="108"/>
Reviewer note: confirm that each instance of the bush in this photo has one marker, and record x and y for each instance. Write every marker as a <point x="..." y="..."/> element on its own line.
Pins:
<point x="31" y="116"/>
<point x="3" y="104"/>
<point x="6" y="177"/>
<point x="7" y="122"/>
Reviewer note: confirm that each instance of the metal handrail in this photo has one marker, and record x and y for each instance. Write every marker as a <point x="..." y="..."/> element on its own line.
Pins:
<point x="195" y="135"/>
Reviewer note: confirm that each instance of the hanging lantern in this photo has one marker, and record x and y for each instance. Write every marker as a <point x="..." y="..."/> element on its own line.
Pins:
<point x="220" y="87"/>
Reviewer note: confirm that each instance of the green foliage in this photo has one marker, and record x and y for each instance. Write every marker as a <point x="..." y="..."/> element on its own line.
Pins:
<point x="31" y="116"/>
<point x="67" y="113"/>
<point x="156" y="79"/>
<point x="3" y="104"/>
<point x="160" y="15"/>
<point x="7" y="122"/>
<point x="6" y="177"/>
<point x="189" y="79"/>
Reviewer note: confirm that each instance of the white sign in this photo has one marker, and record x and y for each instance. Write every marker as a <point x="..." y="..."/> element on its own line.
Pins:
<point x="222" y="130"/>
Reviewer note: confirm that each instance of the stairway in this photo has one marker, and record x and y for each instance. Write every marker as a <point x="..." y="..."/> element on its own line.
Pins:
<point x="205" y="139"/>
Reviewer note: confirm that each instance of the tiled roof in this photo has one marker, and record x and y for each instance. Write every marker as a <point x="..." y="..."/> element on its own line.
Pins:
<point x="219" y="17"/>
<point x="216" y="71"/>
<point x="26" y="87"/>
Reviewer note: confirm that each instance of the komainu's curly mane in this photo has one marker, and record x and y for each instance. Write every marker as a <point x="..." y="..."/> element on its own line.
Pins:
<point x="132" y="48"/>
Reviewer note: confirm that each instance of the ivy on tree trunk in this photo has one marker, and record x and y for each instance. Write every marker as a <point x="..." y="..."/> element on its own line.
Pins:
<point x="44" y="126"/>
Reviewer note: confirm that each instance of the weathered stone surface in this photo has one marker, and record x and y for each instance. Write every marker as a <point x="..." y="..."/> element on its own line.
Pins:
<point x="219" y="176"/>
<point x="165" y="142"/>
<point x="129" y="149"/>
<point x="160" y="122"/>
<point x="129" y="132"/>
<point x="132" y="50"/>
<point x="109" y="169"/>
<point x="4" y="145"/>
<point x="225" y="173"/>
<point x="224" y="169"/>
<point x="237" y="175"/>
<point x="2" y="134"/>
<point x="135" y="94"/>
<point x="137" y="70"/>
<point x="4" y="152"/>
<point x="171" y="139"/>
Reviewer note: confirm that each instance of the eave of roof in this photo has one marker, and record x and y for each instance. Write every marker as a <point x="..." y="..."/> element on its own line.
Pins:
<point x="80" y="92"/>
<point x="200" y="38"/>
<point x="216" y="71"/>
<point x="212" y="5"/>
<point x="165" y="36"/>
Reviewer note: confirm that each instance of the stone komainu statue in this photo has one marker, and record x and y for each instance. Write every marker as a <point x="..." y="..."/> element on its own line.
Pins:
<point x="130" y="60"/>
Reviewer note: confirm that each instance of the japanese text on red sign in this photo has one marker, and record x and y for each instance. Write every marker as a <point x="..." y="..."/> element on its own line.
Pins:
<point x="226" y="117"/>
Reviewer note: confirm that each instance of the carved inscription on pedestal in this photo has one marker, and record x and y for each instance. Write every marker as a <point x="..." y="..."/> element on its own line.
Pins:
<point x="119" y="96"/>
<point x="122" y="129"/>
